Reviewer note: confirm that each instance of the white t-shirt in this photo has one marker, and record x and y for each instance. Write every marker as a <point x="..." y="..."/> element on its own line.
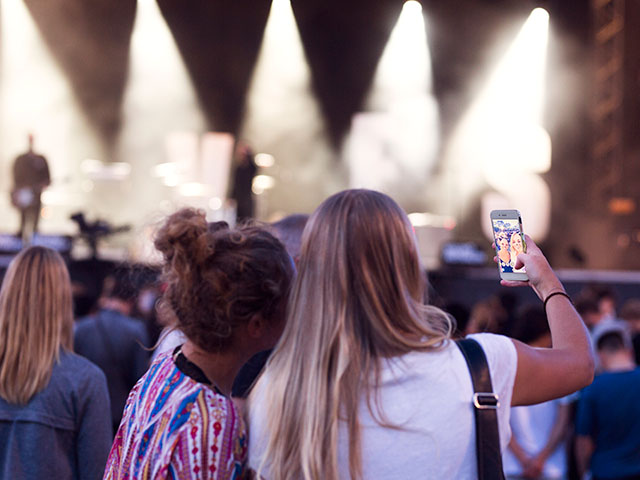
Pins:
<point x="429" y="395"/>
<point x="531" y="427"/>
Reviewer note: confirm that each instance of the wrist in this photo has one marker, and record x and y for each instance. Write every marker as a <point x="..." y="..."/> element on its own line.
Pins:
<point x="550" y="288"/>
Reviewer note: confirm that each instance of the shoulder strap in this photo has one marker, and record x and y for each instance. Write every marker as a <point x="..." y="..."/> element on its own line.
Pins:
<point x="485" y="403"/>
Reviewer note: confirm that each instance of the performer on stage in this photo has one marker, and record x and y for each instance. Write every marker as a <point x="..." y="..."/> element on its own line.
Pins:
<point x="30" y="178"/>
<point x="241" y="190"/>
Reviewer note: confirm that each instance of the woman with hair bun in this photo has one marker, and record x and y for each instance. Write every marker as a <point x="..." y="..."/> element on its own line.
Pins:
<point x="54" y="405"/>
<point x="227" y="290"/>
<point x="366" y="382"/>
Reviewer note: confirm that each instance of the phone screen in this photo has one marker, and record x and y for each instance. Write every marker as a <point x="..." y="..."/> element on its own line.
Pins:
<point x="509" y="244"/>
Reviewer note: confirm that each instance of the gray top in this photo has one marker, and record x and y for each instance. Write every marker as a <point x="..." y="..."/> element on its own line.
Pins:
<point x="115" y="343"/>
<point x="64" y="432"/>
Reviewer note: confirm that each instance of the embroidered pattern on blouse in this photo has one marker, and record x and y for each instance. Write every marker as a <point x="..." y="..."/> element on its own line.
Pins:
<point x="174" y="427"/>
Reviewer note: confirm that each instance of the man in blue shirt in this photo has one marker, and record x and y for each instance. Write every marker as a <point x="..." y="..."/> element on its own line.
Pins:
<point x="608" y="416"/>
<point x="114" y="341"/>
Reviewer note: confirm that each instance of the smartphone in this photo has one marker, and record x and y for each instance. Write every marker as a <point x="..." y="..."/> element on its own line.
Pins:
<point x="509" y="240"/>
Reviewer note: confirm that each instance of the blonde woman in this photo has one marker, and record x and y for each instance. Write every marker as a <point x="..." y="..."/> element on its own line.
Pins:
<point x="54" y="405"/>
<point x="504" y="252"/>
<point x="516" y="248"/>
<point x="365" y="382"/>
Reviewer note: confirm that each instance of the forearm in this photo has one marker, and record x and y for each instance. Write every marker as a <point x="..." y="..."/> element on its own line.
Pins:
<point x="584" y="450"/>
<point x="558" y="432"/>
<point x="570" y="337"/>
<point x="518" y="451"/>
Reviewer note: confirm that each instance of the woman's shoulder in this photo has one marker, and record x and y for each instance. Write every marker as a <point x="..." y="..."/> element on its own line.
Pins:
<point x="496" y="347"/>
<point x="502" y="358"/>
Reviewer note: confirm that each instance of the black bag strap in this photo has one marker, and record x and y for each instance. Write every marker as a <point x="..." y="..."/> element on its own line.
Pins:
<point x="485" y="403"/>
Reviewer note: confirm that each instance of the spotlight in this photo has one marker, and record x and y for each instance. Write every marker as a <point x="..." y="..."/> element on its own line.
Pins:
<point x="500" y="140"/>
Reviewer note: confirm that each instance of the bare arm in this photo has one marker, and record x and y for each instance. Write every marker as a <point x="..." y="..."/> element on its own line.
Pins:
<point x="584" y="450"/>
<point x="558" y="432"/>
<point x="518" y="451"/>
<point x="547" y="373"/>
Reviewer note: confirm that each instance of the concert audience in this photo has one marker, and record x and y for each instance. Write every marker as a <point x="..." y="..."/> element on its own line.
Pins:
<point x="538" y="432"/>
<point x="365" y="382"/>
<point x="54" y="405"/>
<point x="630" y="313"/>
<point x="289" y="231"/>
<point x="608" y="416"/>
<point x="227" y="290"/>
<point x="114" y="341"/>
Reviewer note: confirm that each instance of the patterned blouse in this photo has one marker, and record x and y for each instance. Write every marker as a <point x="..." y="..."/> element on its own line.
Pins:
<point x="177" y="425"/>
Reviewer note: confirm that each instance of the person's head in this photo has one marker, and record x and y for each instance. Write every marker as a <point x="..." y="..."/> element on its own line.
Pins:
<point x="36" y="322"/>
<point x="607" y="302"/>
<point x="604" y="297"/>
<point x="486" y="316"/>
<point x="289" y="232"/>
<point x="588" y="310"/>
<point x="516" y="244"/>
<point x="613" y="345"/>
<point x="119" y="290"/>
<point x="358" y="298"/>
<point x="502" y="241"/>
<point x="531" y="327"/>
<point x="630" y="313"/>
<point x="221" y="281"/>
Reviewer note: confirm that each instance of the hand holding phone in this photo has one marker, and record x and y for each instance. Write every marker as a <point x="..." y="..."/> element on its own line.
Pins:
<point x="509" y="243"/>
<point x="542" y="278"/>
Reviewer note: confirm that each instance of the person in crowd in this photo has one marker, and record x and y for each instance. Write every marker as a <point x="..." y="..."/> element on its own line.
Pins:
<point x="537" y="449"/>
<point x="503" y="252"/>
<point x="608" y="415"/>
<point x="517" y="248"/>
<point x="289" y="231"/>
<point x="52" y="402"/>
<point x="227" y="290"/>
<point x="607" y="302"/>
<point x="365" y="381"/>
<point x="630" y="314"/>
<point x="114" y="341"/>
<point x="588" y="310"/>
<point x="30" y="177"/>
<point x="605" y="299"/>
<point x="245" y="170"/>
<point x="486" y="316"/>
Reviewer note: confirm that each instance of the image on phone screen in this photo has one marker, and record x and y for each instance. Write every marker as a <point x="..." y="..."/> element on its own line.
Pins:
<point x="509" y="244"/>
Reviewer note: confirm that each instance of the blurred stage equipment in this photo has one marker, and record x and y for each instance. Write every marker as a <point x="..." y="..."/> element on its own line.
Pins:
<point x="607" y="150"/>
<point x="93" y="232"/>
<point x="432" y="232"/>
<point x="10" y="245"/>
<point x="467" y="254"/>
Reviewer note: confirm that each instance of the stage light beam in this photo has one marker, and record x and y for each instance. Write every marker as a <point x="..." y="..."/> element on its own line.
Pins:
<point x="160" y="102"/>
<point x="500" y="140"/>
<point x="393" y="145"/>
<point x="283" y="118"/>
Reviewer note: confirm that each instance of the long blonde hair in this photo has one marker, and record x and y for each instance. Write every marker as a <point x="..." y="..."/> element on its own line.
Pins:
<point x="36" y="321"/>
<point x="358" y="299"/>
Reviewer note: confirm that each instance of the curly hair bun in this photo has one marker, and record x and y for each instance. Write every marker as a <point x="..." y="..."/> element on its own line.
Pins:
<point x="218" y="278"/>
<point x="183" y="239"/>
